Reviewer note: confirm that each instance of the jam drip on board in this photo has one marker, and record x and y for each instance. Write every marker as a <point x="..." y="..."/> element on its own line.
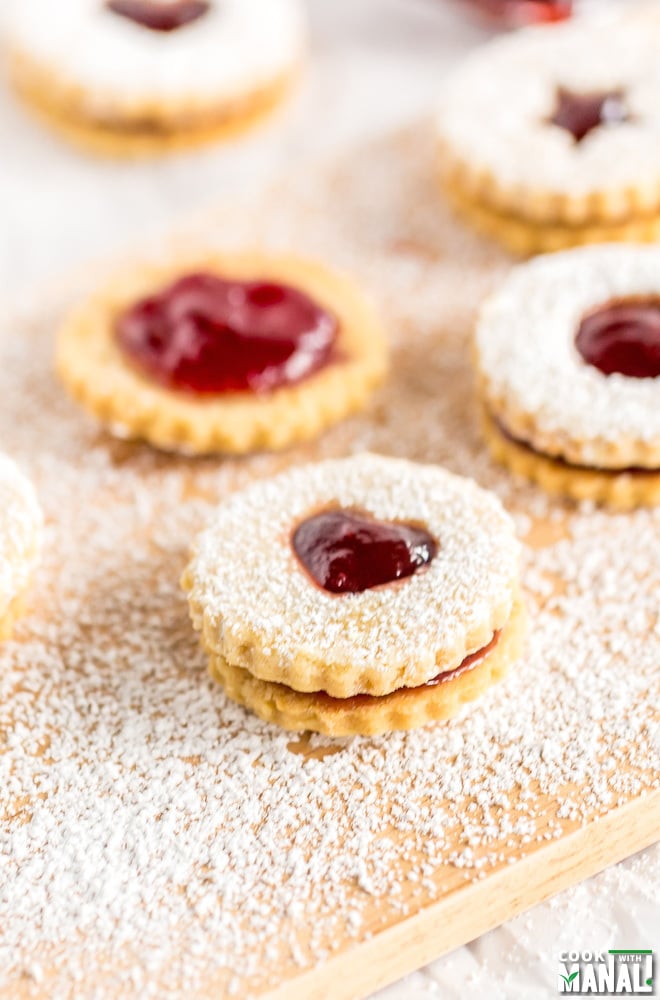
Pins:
<point x="581" y="114"/>
<point x="205" y="334"/>
<point x="347" y="552"/>
<point x="623" y="337"/>
<point x="163" y="16"/>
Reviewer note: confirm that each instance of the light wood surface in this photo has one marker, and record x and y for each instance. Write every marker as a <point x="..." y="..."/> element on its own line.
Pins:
<point x="387" y="225"/>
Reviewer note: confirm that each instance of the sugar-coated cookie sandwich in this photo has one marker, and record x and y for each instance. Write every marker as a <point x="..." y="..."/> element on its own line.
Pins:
<point x="550" y="138"/>
<point x="568" y="362"/>
<point x="224" y="353"/>
<point x="358" y="595"/>
<point x="142" y="76"/>
<point x="20" y="541"/>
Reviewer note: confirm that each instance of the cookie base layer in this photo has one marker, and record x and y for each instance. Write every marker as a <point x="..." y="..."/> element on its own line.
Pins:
<point x="157" y="131"/>
<point x="525" y="238"/>
<point x="619" y="490"/>
<point x="98" y="376"/>
<point x="407" y="708"/>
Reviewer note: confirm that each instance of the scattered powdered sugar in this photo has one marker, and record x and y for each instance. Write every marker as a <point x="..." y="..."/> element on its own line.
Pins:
<point x="157" y="840"/>
<point x="20" y="532"/>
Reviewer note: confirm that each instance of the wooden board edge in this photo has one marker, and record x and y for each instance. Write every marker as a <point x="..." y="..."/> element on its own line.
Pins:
<point x="475" y="909"/>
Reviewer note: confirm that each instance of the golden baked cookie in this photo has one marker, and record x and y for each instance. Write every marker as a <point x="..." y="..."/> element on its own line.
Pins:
<point x="224" y="353"/>
<point x="565" y="149"/>
<point x="20" y="541"/>
<point x="363" y="714"/>
<point x="357" y="578"/>
<point x="133" y="77"/>
<point x="568" y="365"/>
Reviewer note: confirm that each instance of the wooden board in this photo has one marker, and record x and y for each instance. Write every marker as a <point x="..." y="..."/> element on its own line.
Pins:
<point x="154" y="837"/>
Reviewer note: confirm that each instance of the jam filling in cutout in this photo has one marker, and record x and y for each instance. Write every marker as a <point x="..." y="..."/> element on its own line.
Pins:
<point x="164" y="16"/>
<point x="347" y="552"/>
<point x="623" y="337"/>
<point x="205" y="334"/>
<point x="580" y="114"/>
<point x="354" y="701"/>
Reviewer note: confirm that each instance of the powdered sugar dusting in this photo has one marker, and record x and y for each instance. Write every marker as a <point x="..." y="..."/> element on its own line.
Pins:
<point x="20" y="532"/>
<point x="158" y="840"/>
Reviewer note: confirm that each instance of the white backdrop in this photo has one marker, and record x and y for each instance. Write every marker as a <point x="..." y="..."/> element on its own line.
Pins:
<point x="376" y="64"/>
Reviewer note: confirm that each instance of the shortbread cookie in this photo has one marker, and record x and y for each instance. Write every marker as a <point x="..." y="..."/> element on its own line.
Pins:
<point x="568" y="362"/>
<point x="569" y="139"/>
<point x="357" y="578"/>
<point x="20" y="541"/>
<point x="141" y="76"/>
<point x="226" y="353"/>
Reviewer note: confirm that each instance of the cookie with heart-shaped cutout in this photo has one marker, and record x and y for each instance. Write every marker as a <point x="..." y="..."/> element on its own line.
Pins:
<point x="358" y="594"/>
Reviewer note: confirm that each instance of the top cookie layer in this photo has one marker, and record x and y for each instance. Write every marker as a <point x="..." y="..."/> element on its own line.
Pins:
<point x="257" y="607"/>
<point x="498" y="142"/>
<point x="237" y="47"/>
<point x="20" y="532"/>
<point x="534" y="378"/>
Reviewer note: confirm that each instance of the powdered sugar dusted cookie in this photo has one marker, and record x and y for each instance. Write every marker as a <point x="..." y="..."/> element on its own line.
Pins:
<point x="142" y="75"/>
<point x="357" y="595"/>
<point x="568" y="359"/>
<point x="20" y="540"/>
<point x="565" y="149"/>
<point x="223" y="353"/>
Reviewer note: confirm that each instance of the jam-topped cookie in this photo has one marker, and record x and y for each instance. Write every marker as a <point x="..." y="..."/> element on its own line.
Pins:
<point x="568" y="359"/>
<point x="20" y="540"/>
<point x="142" y="76"/>
<point x="227" y="353"/>
<point x="565" y="150"/>
<point x="365" y="594"/>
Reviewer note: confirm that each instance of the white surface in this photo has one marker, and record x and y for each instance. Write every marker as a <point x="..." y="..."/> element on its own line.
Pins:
<point x="377" y="63"/>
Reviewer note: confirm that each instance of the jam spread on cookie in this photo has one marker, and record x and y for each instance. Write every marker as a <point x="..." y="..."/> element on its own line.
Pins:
<point x="623" y="337"/>
<point x="206" y="334"/>
<point x="160" y="16"/>
<point x="347" y="552"/>
<point x="580" y="114"/>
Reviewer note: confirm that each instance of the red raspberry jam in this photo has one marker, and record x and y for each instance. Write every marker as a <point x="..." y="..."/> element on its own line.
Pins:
<point x="580" y="114"/>
<point x="519" y="12"/>
<point x="346" y="552"/>
<point x="206" y="334"/>
<point x="160" y="16"/>
<point x="623" y="337"/>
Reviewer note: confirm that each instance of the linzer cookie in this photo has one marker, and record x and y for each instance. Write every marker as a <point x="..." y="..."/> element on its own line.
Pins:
<point x="358" y="595"/>
<point x="142" y="76"/>
<point x="550" y="138"/>
<point x="20" y="541"/>
<point x="568" y="360"/>
<point x="230" y="353"/>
